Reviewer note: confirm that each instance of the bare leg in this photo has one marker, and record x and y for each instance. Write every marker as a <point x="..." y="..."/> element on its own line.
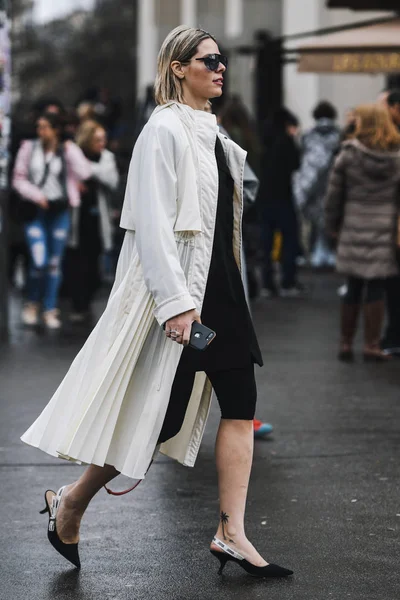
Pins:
<point x="76" y="498"/>
<point x="234" y="455"/>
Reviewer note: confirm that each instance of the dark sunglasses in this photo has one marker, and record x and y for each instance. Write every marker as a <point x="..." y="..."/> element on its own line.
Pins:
<point x="212" y="61"/>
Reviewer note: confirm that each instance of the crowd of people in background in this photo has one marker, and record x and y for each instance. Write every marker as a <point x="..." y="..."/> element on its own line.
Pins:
<point x="329" y="198"/>
<point x="326" y="198"/>
<point x="64" y="209"/>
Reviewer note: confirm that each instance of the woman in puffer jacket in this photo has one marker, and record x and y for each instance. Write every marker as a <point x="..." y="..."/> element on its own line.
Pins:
<point x="361" y="211"/>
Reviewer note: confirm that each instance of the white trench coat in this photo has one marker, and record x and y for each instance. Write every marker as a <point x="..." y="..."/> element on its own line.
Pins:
<point x="110" y="407"/>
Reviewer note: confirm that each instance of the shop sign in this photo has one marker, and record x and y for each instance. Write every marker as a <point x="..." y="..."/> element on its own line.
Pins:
<point x="350" y="62"/>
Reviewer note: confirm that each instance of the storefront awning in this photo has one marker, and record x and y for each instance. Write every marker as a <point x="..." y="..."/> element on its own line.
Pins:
<point x="365" y="4"/>
<point x="371" y="49"/>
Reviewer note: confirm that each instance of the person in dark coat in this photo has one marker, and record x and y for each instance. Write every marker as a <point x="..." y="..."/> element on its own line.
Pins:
<point x="362" y="212"/>
<point x="281" y="158"/>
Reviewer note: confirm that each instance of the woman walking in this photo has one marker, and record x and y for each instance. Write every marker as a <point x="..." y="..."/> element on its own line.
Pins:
<point x="362" y="211"/>
<point x="136" y="388"/>
<point x="93" y="233"/>
<point x="47" y="173"/>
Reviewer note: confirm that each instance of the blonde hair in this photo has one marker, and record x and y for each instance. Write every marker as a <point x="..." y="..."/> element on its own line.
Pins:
<point x="181" y="45"/>
<point x="85" y="111"/>
<point x="375" y="129"/>
<point x="86" y="132"/>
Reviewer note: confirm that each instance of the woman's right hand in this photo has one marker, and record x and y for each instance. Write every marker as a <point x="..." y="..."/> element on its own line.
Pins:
<point x="44" y="204"/>
<point x="178" y="328"/>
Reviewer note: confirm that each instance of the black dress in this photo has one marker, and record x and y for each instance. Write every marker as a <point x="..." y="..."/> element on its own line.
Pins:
<point x="229" y="360"/>
<point x="225" y="307"/>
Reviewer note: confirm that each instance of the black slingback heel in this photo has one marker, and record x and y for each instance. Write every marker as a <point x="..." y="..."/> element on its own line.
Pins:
<point x="228" y="554"/>
<point x="68" y="551"/>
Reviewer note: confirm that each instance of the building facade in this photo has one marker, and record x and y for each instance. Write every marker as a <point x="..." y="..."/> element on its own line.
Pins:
<point x="302" y="90"/>
<point x="242" y="27"/>
<point x="235" y="24"/>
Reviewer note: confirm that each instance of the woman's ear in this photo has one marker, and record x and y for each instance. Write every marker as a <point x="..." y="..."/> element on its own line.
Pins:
<point x="177" y="69"/>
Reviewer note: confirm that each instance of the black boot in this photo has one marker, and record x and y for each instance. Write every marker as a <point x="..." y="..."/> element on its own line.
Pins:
<point x="374" y="314"/>
<point x="348" y="327"/>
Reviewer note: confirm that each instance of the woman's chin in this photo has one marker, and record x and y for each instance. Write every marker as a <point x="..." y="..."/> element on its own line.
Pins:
<point x="216" y="92"/>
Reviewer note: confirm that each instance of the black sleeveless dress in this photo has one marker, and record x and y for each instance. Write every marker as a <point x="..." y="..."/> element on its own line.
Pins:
<point x="225" y="307"/>
<point x="229" y="359"/>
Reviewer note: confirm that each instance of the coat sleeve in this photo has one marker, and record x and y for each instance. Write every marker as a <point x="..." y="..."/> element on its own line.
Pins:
<point x="251" y="185"/>
<point x="336" y="194"/>
<point x="20" y="180"/>
<point x="105" y="171"/>
<point x="152" y="185"/>
<point x="78" y="164"/>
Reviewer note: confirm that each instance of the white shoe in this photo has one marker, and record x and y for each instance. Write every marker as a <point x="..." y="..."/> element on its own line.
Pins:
<point x="30" y="313"/>
<point x="78" y="317"/>
<point x="301" y="261"/>
<point x="51" y="320"/>
<point x="297" y="291"/>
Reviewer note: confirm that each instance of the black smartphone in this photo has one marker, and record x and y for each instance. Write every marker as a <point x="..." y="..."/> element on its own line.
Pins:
<point x="200" y="336"/>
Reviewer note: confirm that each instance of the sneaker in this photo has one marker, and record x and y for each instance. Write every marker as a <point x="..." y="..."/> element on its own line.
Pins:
<point x="51" y="320"/>
<point x="30" y="313"/>
<point x="261" y="429"/>
<point x="391" y="349"/>
<point x="269" y="292"/>
<point x="297" y="291"/>
<point x="301" y="261"/>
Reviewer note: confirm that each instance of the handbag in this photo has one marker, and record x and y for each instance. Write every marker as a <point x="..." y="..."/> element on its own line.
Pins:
<point x="58" y="206"/>
<point x="26" y="210"/>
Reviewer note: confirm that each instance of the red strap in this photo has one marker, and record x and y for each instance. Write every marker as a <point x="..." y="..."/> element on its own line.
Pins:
<point x="126" y="491"/>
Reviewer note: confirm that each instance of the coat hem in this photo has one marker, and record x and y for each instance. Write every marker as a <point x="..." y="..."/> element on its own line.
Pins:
<point x="80" y="462"/>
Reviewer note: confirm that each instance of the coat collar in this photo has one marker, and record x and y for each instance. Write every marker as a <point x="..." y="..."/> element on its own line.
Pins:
<point x="189" y="116"/>
<point x="376" y="153"/>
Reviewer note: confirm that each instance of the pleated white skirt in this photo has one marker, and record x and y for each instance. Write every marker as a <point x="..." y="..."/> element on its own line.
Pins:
<point x="110" y="407"/>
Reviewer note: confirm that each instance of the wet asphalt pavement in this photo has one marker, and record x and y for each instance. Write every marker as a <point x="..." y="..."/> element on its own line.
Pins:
<point x="324" y="497"/>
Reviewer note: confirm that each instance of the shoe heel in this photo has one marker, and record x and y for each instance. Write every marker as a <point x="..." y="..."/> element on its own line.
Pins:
<point x="44" y="511"/>
<point x="223" y="559"/>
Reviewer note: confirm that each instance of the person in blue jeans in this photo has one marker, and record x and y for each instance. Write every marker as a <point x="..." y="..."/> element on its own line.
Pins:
<point x="46" y="237"/>
<point x="47" y="174"/>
